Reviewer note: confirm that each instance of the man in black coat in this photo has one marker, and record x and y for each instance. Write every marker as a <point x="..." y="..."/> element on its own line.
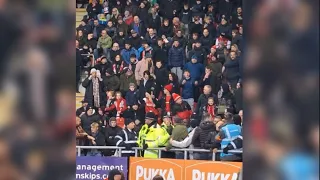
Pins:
<point x="162" y="77"/>
<point x="203" y="99"/>
<point x="199" y="52"/>
<point x="96" y="29"/>
<point x="110" y="133"/>
<point x="88" y="118"/>
<point x="127" y="138"/>
<point x="83" y="109"/>
<point x="160" y="52"/>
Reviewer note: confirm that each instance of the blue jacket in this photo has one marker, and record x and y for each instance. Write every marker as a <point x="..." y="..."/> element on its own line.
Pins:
<point x="196" y="70"/>
<point x="131" y="97"/>
<point x="230" y="132"/>
<point x="176" y="57"/>
<point x="187" y="89"/>
<point x="125" y="53"/>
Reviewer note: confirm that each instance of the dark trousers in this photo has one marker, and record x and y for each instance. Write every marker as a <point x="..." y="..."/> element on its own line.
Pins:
<point x="78" y="77"/>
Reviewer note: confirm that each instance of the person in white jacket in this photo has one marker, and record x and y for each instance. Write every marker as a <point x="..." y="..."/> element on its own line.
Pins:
<point x="187" y="141"/>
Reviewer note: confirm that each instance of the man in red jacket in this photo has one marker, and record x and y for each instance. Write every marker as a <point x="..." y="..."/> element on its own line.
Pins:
<point x="180" y="108"/>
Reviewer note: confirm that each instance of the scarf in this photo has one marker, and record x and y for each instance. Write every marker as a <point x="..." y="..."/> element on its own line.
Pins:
<point x="96" y="95"/>
<point x="168" y="98"/>
<point x="118" y="65"/>
<point x="210" y="110"/>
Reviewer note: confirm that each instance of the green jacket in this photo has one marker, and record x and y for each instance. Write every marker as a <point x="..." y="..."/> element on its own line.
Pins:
<point x="105" y="42"/>
<point x="179" y="133"/>
<point x="126" y="80"/>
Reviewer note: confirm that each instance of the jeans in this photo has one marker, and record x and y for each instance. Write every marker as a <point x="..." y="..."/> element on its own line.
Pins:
<point x="180" y="155"/>
<point x="178" y="72"/>
<point x="96" y="54"/>
<point x="190" y="101"/>
<point x="202" y="156"/>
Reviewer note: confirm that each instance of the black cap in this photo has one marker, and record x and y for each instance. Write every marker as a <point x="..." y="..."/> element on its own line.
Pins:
<point x="128" y="121"/>
<point x="150" y="115"/>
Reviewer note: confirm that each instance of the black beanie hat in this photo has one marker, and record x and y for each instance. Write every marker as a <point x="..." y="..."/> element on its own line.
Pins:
<point x="128" y="121"/>
<point x="194" y="123"/>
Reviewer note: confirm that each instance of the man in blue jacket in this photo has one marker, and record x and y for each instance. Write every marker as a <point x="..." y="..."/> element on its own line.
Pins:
<point x="128" y="51"/>
<point x="188" y="86"/>
<point x="176" y="59"/>
<point x="196" y="69"/>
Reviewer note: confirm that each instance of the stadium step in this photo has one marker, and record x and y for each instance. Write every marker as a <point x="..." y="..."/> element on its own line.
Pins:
<point x="79" y="98"/>
<point x="80" y="12"/>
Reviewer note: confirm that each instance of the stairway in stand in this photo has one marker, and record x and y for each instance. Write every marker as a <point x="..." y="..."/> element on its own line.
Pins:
<point x="79" y="98"/>
<point x="80" y="12"/>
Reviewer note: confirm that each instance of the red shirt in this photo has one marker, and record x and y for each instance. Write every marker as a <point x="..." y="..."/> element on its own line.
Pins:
<point x="168" y="98"/>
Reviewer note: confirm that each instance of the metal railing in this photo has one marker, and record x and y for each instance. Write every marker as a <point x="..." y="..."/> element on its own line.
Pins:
<point x="93" y="62"/>
<point x="136" y="149"/>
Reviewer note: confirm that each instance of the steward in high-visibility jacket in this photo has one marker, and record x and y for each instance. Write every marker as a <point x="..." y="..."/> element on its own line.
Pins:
<point x="152" y="135"/>
<point x="229" y="133"/>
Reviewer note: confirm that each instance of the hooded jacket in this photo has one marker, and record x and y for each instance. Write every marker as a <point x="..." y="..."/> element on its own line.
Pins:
<point x="187" y="88"/>
<point x="201" y="134"/>
<point x="196" y="70"/>
<point x="207" y="42"/>
<point x="104" y="42"/>
<point x="111" y="82"/>
<point x="200" y="53"/>
<point x="125" y="80"/>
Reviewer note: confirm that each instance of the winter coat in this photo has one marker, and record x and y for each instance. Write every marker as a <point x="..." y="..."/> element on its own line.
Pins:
<point x="111" y="83"/>
<point x="135" y="114"/>
<point x="166" y="30"/>
<point x="139" y="28"/>
<point x="212" y="30"/>
<point x="200" y="53"/>
<point x="153" y="21"/>
<point x="226" y="29"/>
<point x="99" y="28"/>
<point x="126" y="53"/>
<point x="152" y="41"/>
<point x="132" y="97"/>
<point x="111" y="31"/>
<point x="181" y="110"/>
<point x="104" y="42"/>
<point x="195" y="28"/>
<point x="238" y="41"/>
<point x="225" y="8"/>
<point x="125" y="80"/>
<point x="113" y="54"/>
<point x="87" y="120"/>
<point x="196" y="70"/>
<point x="121" y="105"/>
<point x="102" y="68"/>
<point x="207" y="42"/>
<point x="232" y="71"/>
<point x="143" y="88"/>
<point x="176" y="57"/>
<point x="136" y="42"/>
<point x="211" y="142"/>
<point x="118" y="67"/>
<point x="100" y="141"/>
<point x="93" y="11"/>
<point x="187" y="88"/>
<point x="179" y="133"/>
<point x="86" y="29"/>
<point x="201" y="134"/>
<point x="89" y="91"/>
<point x="162" y="75"/>
<point x="190" y="42"/>
<point x="182" y="41"/>
<point x="160" y="53"/>
<point x="141" y="67"/>
<point x="162" y="105"/>
<point x="92" y="43"/>
<point x="120" y="40"/>
<point x="82" y="41"/>
<point x="123" y="27"/>
<point x="143" y="14"/>
<point x="110" y="134"/>
<point x="175" y="86"/>
<point x="110" y="108"/>
<point x="167" y="7"/>
<point x="186" y="16"/>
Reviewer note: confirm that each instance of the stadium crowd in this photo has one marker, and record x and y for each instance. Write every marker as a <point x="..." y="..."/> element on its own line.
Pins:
<point x="160" y="74"/>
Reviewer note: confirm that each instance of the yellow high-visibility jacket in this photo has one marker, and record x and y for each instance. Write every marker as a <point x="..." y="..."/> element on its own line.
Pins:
<point x="154" y="137"/>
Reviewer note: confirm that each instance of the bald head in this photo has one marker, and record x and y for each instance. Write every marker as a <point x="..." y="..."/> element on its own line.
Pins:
<point x="207" y="89"/>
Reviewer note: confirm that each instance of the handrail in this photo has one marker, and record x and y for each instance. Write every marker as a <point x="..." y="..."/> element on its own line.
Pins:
<point x="93" y="60"/>
<point x="185" y="150"/>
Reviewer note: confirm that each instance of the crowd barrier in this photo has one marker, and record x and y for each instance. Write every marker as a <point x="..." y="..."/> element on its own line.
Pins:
<point x="89" y="168"/>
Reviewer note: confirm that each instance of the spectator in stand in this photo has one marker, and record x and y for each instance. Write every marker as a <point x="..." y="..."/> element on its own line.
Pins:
<point x="146" y="64"/>
<point x="138" y="26"/>
<point x="132" y="9"/>
<point x="131" y="95"/>
<point x="127" y="138"/>
<point x="97" y="29"/>
<point x="166" y="30"/>
<point x="231" y="70"/>
<point x="200" y="136"/>
<point x="238" y="98"/>
<point x="182" y="40"/>
<point x="161" y="52"/>
<point x="203" y="99"/>
<point x="237" y="19"/>
<point x="120" y="104"/>
<point x="122" y="25"/>
<point x="192" y="41"/>
<point x="146" y="84"/>
<point x="136" y="113"/>
<point x="166" y="101"/>
<point x="103" y="66"/>
<point x="195" y="69"/>
<point x="128" y="51"/>
<point x="120" y="38"/>
<point x="169" y="9"/>
<point x="118" y="65"/>
<point x="153" y="20"/>
<point x="210" y="108"/>
<point x="209" y="79"/>
<point x="188" y="87"/>
<point x="110" y="133"/>
<point x="83" y="109"/>
<point x="81" y="135"/>
<point x="94" y="89"/>
<point x="111" y="29"/>
<point x="195" y="26"/>
<point x="176" y="59"/>
<point x="167" y="124"/>
<point x="207" y="40"/>
<point x="135" y="39"/>
<point x="81" y="39"/>
<point x="111" y="81"/>
<point x="236" y="38"/>
<point x="133" y="63"/>
<point x="199" y="52"/>
<point x="104" y="42"/>
<point x="161" y="73"/>
<point x="114" y="16"/>
<point x="179" y="133"/>
<point x="91" y="43"/>
<point x="151" y="37"/>
<point x="95" y="138"/>
<point x="143" y="12"/>
<point x="186" y="16"/>
<point x="150" y="104"/>
<point x="173" y="80"/>
<point x="145" y="49"/>
<point x="212" y="14"/>
<point x="93" y="9"/>
<point x="234" y="48"/>
<point x="88" y="118"/>
<point x="226" y="93"/>
<point x="115" y="50"/>
<point x="180" y="108"/>
<point x="110" y="107"/>
<point x="127" y="80"/>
